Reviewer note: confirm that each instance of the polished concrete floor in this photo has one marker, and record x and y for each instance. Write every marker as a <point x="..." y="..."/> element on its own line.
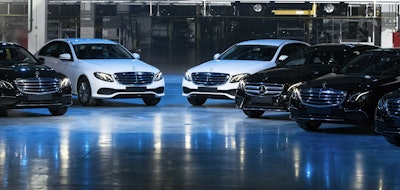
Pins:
<point x="126" y="145"/>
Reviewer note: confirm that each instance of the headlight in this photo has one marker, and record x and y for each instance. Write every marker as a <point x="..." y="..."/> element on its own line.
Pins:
<point x="242" y="84"/>
<point x="238" y="77"/>
<point x="361" y="96"/>
<point x="104" y="76"/>
<point x="294" y="86"/>
<point x="158" y="76"/>
<point x="65" y="83"/>
<point x="5" y="85"/>
<point x="382" y="104"/>
<point x="295" y="94"/>
<point x="188" y="76"/>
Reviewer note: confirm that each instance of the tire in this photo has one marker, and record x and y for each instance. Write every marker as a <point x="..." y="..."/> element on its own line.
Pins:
<point x="151" y="101"/>
<point x="85" y="92"/>
<point x="393" y="140"/>
<point x="309" y="125"/>
<point x="253" y="113"/>
<point x="197" y="101"/>
<point x="58" y="110"/>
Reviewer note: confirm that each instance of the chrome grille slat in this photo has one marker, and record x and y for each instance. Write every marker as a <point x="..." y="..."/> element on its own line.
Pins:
<point x="38" y="85"/>
<point x="263" y="89"/>
<point x="321" y="97"/>
<point x="393" y="105"/>
<point x="134" y="78"/>
<point x="209" y="78"/>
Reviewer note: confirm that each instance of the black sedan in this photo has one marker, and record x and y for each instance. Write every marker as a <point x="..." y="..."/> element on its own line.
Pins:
<point x="27" y="83"/>
<point x="349" y="95"/>
<point x="270" y="89"/>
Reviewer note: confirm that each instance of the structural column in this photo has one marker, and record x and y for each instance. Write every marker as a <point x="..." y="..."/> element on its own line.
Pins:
<point x="37" y="24"/>
<point x="87" y="20"/>
<point x="389" y="24"/>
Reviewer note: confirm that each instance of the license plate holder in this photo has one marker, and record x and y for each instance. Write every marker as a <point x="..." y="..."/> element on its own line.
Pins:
<point x="135" y="89"/>
<point x="41" y="97"/>
<point x="319" y="111"/>
<point x="207" y="89"/>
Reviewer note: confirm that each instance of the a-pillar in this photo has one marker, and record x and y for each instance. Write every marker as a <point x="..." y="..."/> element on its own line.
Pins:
<point x="87" y="20"/>
<point x="37" y="24"/>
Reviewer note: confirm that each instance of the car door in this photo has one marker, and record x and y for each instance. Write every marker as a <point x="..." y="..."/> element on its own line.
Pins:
<point x="50" y="54"/>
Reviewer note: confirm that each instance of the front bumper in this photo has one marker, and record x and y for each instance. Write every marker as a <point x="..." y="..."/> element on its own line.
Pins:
<point x="226" y="91"/>
<point x="386" y="125"/>
<point x="264" y="103"/>
<point x="20" y="100"/>
<point x="335" y="114"/>
<point x="129" y="92"/>
<point x="106" y="90"/>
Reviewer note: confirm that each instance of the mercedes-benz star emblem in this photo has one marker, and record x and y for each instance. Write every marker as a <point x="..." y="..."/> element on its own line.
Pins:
<point x="324" y="84"/>
<point x="262" y="90"/>
<point x="37" y="74"/>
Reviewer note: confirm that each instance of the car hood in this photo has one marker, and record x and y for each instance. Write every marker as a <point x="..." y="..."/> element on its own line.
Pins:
<point x="288" y="74"/>
<point x="119" y="65"/>
<point x="350" y="83"/>
<point x="28" y="71"/>
<point x="232" y="66"/>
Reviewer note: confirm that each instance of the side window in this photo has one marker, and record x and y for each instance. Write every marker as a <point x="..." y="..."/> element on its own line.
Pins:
<point x="50" y="50"/>
<point x="291" y="48"/>
<point x="64" y="48"/>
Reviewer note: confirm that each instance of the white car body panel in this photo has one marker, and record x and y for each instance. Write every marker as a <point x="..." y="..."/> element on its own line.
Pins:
<point x="232" y="67"/>
<point x="87" y="67"/>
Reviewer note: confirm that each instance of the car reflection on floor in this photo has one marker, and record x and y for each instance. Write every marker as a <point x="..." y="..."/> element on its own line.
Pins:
<point x="123" y="144"/>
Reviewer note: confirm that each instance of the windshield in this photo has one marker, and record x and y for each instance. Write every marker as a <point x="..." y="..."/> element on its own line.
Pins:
<point x="316" y="56"/>
<point x="11" y="55"/>
<point x="101" y="51"/>
<point x="374" y="63"/>
<point x="249" y="52"/>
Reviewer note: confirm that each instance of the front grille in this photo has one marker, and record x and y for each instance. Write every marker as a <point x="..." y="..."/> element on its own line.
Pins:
<point x="320" y="97"/>
<point x="38" y="85"/>
<point x="263" y="89"/>
<point x="393" y="105"/>
<point x="210" y="79"/>
<point x="134" y="78"/>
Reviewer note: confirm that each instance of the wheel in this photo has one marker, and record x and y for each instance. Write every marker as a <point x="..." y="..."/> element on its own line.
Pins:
<point x="253" y="113"/>
<point x="309" y="125"/>
<point x="393" y="140"/>
<point x="151" y="101"/>
<point x="58" y="110"/>
<point x="197" y="101"/>
<point x="85" y="92"/>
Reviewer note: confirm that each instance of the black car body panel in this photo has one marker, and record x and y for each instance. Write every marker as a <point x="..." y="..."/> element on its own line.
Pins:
<point x="270" y="89"/>
<point x="351" y="95"/>
<point x="27" y="83"/>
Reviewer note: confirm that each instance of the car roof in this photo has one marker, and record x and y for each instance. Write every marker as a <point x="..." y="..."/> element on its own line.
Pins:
<point x="76" y="41"/>
<point x="270" y="42"/>
<point x="349" y="45"/>
<point x="2" y="43"/>
<point x="386" y="50"/>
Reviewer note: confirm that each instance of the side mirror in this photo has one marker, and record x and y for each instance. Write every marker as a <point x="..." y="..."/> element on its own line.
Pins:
<point x="217" y="55"/>
<point x="65" y="57"/>
<point x="282" y="58"/>
<point x="41" y="60"/>
<point x="136" y="55"/>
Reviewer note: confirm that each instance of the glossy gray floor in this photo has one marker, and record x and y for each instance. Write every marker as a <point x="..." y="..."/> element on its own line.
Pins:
<point x="126" y="145"/>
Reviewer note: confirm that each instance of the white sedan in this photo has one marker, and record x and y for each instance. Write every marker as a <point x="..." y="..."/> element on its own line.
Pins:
<point x="103" y="69"/>
<point x="219" y="78"/>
